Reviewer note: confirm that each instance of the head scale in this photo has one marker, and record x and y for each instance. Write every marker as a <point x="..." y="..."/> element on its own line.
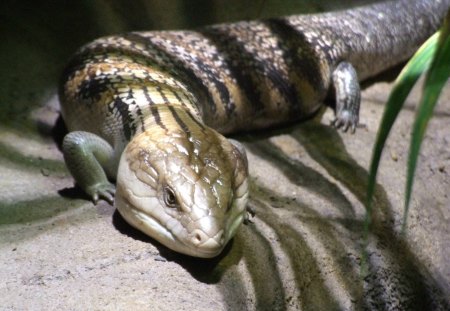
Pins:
<point x="188" y="192"/>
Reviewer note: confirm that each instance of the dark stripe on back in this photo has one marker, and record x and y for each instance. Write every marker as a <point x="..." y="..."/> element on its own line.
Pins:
<point x="175" y="94"/>
<point x="147" y="96"/>
<point x="90" y="89"/>
<point x="188" y="75"/>
<point x="180" y="122"/>
<point x="195" y="121"/>
<point x="176" y="68"/>
<point x="237" y="60"/>
<point x="250" y="71"/>
<point x="157" y="117"/>
<point x="141" y="117"/>
<point x="299" y="53"/>
<point x="161" y="93"/>
<point x="118" y="106"/>
<point x="169" y="64"/>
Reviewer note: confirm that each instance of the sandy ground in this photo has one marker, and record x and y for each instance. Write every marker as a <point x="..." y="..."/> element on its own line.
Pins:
<point x="302" y="250"/>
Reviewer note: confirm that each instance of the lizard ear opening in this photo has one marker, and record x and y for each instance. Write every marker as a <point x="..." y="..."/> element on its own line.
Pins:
<point x="239" y="148"/>
<point x="241" y="163"/>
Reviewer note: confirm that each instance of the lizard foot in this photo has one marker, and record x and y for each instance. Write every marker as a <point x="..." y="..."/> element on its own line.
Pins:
<point x="348" y="97"/>
<point x="102" y="191"/>
<point x="346" y="120"/>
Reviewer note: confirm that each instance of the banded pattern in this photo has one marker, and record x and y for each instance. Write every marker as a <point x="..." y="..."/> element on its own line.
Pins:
<point x="164" y="96"/>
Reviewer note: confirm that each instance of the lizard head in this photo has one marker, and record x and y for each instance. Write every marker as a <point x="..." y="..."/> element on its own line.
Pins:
<point x="186" y="189"/>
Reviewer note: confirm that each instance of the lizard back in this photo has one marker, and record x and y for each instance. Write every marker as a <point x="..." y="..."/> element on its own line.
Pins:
<point x="239" y="76"/>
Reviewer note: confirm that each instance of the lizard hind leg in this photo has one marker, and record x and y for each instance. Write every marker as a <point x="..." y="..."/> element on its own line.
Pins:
<point x="88" y="158"/>
<point x="348" y="97"/>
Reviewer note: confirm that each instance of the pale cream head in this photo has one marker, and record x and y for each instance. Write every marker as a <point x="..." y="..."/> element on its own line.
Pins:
<point x="187" y="191"/>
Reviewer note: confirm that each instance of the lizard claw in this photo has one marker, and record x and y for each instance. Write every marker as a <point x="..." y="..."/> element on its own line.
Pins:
<point x="103" y="191"/>
<point x="345" y="120"/>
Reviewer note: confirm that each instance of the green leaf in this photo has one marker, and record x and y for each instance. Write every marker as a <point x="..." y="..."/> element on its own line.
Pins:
<point x="402" y="87"/>
<point x="436" y="79"/>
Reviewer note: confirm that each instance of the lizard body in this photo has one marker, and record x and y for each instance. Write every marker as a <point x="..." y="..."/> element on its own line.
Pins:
<point x="146" y="108"/>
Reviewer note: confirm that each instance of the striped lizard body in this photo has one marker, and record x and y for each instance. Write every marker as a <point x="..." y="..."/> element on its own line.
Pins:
<point x="149" y="108"/>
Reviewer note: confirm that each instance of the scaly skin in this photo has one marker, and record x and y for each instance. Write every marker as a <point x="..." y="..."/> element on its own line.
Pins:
<point x="146" y="108"/>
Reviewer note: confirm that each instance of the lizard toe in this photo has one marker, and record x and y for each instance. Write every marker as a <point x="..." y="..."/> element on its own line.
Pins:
<point x="346" y="121"/>
<point x="103" y="191"/>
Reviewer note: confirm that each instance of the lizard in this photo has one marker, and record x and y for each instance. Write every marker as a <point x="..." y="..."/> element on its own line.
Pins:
<point x="150" y="109"/>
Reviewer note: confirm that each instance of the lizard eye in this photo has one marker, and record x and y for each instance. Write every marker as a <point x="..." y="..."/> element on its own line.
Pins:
<point x="169" y="197"/>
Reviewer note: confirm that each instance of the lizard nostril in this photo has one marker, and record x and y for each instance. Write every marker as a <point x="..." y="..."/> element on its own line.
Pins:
<point x="198" y="237"/>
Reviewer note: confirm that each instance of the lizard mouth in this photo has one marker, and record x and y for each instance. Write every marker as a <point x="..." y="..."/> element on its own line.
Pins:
<point x="196" y="243"/>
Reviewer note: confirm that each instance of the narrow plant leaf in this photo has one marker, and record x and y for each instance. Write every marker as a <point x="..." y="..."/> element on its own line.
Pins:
<point x="402" y="87"/>
<point x="436" y="79"/>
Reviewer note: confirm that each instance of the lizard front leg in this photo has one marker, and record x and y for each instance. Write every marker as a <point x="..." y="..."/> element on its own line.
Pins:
<point x="348" y="96"/>
<point x="88" y="157"/>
